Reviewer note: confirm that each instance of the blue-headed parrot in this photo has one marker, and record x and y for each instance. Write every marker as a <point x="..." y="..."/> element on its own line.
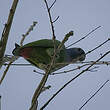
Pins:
<point x="40" y="53"/>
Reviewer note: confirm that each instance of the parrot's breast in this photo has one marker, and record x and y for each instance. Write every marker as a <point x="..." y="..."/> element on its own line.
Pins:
<point x="26" y="52"/>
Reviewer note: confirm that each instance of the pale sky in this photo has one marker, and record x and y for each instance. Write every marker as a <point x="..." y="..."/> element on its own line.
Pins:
<point x="81" y="16"/>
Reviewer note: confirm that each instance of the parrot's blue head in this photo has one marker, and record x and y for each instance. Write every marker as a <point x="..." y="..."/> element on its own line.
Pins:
<point x="76" y="54"/>
<point x="16" y="52"/>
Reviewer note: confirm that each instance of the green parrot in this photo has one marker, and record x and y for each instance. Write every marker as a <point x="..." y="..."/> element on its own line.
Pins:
<point x="40" y="53"/>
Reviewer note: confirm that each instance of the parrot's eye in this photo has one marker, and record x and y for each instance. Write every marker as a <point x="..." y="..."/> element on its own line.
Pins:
<point x="79" y="49"/>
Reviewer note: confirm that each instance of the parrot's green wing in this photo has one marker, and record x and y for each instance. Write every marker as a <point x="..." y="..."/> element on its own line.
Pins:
<point x="45" y="43"/>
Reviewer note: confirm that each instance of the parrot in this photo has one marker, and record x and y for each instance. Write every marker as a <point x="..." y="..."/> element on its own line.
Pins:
<point x="40" y="53"/>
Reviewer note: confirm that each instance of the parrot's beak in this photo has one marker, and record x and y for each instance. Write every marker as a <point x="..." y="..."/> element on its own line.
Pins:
<point x="83" y="55"/>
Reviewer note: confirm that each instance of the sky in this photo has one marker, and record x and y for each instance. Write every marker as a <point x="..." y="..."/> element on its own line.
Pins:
<point x="81" y="16"/>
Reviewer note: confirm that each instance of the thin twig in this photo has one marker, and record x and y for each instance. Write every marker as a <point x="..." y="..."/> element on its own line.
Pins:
<point x="27" y="33"/>
<point x="0" y="101"/>
<point x="84" y="36"/>
<point x="79" y="67"/>
<point x="50" y="18"/>
<point x="94" y="94"/>
<point x="67" y="71"/>
<point x="55" y="19"/>
<point x="72" y="80"/>
<point x="85" y="62"/>
<point x="4" y="74"/>
<point x="51" y="23"/>
<point x="98" y="46"/>
<point x="52" y="5"/>
<point x="65" y="39"/>
<point x="7" y="68"/>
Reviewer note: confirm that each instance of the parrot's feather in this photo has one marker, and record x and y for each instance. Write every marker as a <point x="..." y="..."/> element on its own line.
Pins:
<point x="44" y="43"/>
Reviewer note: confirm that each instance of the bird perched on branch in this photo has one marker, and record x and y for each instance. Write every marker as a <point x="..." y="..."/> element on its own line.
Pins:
<point x="40" y="54"/>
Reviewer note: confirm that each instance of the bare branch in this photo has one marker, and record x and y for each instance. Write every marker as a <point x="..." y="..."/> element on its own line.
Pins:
<point x="98" y="46"/>
<point x="45" y="88"/>
<point x="6" y="31"/>
<point x="64" y="40"/>
<point x="73" y="80"/>
<point x="4" y="37"/>
<point x="27" y="33"/>
<point x="94" y="69"/>
<point x="50" y="18"/>
<point x="0" y="101"/>
<point x="13" y="58"/>
<point x="51" y="23"/>
<point x="52" y="4"/>
<point x="94" y="94"/>
<point x="85" y="62"/>
<point x="55" y="19"/>
<point x="7" y="68"/>
<point x="84" y="36"/>
<point x="45" y="77"/>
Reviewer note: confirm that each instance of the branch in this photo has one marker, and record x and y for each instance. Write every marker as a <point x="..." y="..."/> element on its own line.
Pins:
<point x="72" y="80"/>
<point x="0" y="101"/>
<point x="13" y="58"/>
<point x="27" y="33"/>
<point x="50" y="18"/>
<point x="6" y="31"/>
<point x="85" y="62"/>
<point x="94" y="94"/>
<point x="4" y="37"/>
<point x="98" y="46"/>
<point x="45" y="77"/>
<point x="84" y="36"/>
<point x="51" y="22"/>
<point x="7" y="68"/>
<point x="42" y="84"/>
<point x="65" y="39"/>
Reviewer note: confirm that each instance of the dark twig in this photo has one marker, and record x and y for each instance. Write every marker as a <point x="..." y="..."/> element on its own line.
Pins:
<point x="72" y="80"/>
<point x="7" y="68"/>
<point x="50" y="18"/>
<point x="84" y="36"/>
<point x="38" y="72"/>
<point x="55" y="19"/>
<point x="85" y="62"/>
<point x="4" y="74"/>
<point x="94" y="69"/>
<point x="94" y="94"/>
<point x="98" y="46"/>
<point x="67" y="71"/>
<point x="52" y="4"/>
<point x="46" y="88"/>
<point x="0" y="101"/>
<point x="51" y="23"/>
